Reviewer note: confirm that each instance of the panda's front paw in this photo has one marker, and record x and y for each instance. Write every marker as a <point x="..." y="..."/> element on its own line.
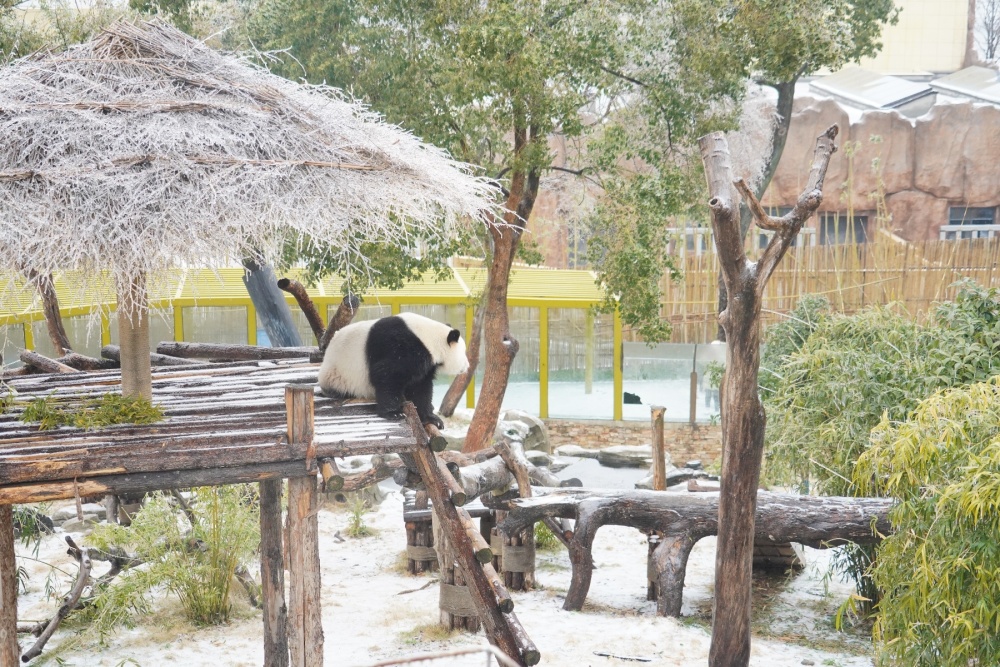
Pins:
<point x="394" y="415"/>
<point x="435" y="420"/>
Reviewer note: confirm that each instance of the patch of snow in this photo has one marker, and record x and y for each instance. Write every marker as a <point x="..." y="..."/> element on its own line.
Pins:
<point x="373" y="611"/>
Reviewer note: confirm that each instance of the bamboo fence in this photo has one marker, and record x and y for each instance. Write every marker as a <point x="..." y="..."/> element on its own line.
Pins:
<point x="852" y="276"/>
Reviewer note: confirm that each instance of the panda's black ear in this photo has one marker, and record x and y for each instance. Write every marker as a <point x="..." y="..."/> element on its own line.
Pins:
<point x="453" y="336"/>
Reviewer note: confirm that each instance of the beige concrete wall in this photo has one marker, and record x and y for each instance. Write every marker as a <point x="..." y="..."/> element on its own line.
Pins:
<point x="948" y="157"/>
<point x="683" y="441"/>
<point x="930" y="37"/>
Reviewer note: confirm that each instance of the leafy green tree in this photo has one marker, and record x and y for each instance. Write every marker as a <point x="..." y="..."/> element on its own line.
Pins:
<point x="938" y="569"/>
<point x="699" y="59"/>
<point x="488" y="81"/>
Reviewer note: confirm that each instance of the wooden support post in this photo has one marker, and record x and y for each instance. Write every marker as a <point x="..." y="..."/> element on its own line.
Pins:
<point x="305" y="621"/>
<point x="659" y="456"/>
<point x="272" y="576"/>
<point x="10" y="650"/>
<point x="518" y="559"/>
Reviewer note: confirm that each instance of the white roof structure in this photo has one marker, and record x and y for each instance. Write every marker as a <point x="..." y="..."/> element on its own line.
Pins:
<point x="977" y="83"/>
<point x="869" y="90"/>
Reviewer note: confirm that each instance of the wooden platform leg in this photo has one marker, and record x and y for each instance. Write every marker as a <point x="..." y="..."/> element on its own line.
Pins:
<point x="272" y="576"/>
<point x="10" y="651"/>
<point x="305" y="618"/>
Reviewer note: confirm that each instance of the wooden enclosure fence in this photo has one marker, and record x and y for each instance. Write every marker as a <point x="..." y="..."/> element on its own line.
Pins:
<point x="852" y="276"/>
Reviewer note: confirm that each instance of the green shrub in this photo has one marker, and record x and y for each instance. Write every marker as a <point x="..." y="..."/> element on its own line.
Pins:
<point x="545" y="540"/>
<point x="356" y="526"/>
<point x="195" y="560"/>
<point x="940" y="569"/>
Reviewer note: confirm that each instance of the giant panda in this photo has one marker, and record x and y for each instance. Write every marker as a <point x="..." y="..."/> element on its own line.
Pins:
<point x="392" y="359"/>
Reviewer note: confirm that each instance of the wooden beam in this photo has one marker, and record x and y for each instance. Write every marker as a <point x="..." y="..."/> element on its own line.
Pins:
<point x="114" y="353"/>
<point x="272" y="576"/>
<point x="305" y="618"/>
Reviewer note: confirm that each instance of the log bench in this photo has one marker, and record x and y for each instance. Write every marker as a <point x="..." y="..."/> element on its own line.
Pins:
<point x="683" y="519"/>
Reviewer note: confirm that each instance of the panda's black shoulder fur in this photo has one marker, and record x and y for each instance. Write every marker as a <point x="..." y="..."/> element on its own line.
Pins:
<point x="400" y="367"/>
<point x="395" y="354"/>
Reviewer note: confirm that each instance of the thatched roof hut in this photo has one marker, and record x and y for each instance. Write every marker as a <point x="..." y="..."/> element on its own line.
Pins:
<point x="144" y="148"/>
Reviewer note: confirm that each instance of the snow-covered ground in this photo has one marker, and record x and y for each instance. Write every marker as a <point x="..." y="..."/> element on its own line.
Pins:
<point x="373" y="610"/>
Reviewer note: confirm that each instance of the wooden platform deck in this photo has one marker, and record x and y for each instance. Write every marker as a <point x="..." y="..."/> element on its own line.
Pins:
<point x="224" y="423"/>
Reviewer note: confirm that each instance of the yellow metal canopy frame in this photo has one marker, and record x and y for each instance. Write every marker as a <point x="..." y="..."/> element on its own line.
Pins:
<point x="184" y="288"/>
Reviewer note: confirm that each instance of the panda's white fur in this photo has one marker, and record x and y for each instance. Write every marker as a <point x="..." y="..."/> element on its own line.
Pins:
<point x="434" y="335"/>
<point x="345" y="366"/>
<point x="345" y="363"/>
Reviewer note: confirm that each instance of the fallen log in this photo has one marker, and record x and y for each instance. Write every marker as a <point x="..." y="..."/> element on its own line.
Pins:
<point x="44" y="364"/>
<point x="113" y="353"/>
<point x="814" y="521"/>
<point x="231" y="352"/>
<point x="82" y="362"/>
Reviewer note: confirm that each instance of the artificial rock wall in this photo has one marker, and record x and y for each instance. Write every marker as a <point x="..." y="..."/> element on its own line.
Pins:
<point x="947" y="157"/>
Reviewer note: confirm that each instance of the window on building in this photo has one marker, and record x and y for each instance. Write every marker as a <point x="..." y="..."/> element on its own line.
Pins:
<point x="964" y="216"/>
<point x="838" y="229"/>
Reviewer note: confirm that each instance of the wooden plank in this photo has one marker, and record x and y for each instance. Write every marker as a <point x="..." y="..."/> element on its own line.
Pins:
<point x="305" y="621"/>
<point x="17" y="494"/>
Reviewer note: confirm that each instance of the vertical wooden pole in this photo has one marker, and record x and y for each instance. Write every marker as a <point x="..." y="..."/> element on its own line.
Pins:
<point x="272" y="576"/>
<point x="305" y="621"/>
<point x="10" y="651"/>
<point x="659" y="457"/>
<point x="693" y="414"/>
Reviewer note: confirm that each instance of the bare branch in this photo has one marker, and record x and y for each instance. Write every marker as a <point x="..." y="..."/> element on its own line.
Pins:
<point x="298" y="290"/>
<point x="808" y="202"/>
<point x="760" y="216"/>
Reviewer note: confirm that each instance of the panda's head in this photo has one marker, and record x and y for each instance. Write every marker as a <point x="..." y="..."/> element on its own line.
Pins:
<point x="454" y="360"/>
<point x="445" y="344"/>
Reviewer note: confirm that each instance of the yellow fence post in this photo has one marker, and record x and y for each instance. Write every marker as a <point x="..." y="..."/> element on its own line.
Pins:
<point x="543" y="362"/>
<point x="617" y="372"/>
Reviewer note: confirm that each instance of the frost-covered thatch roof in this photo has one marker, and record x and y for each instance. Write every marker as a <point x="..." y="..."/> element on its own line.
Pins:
<point x="144" y="148"/>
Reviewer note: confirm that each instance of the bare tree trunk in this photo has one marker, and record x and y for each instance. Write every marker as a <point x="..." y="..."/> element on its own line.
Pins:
<point x="462" y="380"/>
<point x="133" y="336"/>
<point x="50" y="306"/>
<point x="501" y="348"/>
<point x="10" y="651"/>
<point x="743" y="429"/>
